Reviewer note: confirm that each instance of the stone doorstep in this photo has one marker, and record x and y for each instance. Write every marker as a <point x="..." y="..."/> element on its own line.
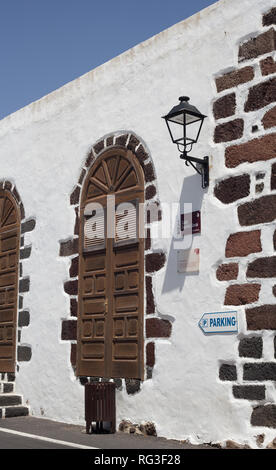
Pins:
<point x="13" y="411"/>
<point x="10" y="399"/>
<point x="10" y="402"/>
<point x="6" y="387"/>
<point x="4" y="377"/>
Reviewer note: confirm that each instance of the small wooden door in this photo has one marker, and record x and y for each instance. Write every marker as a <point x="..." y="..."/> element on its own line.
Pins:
<point x="111" y="270"/>
<point x="9" y="259"/>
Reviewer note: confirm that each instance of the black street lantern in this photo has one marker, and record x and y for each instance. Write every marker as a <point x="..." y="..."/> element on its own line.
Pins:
<point x="184" y="123"/>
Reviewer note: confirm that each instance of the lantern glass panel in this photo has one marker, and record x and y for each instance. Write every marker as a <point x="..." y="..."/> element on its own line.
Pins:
<point x="176" y="131"/>
<point x="190" y="118"/>
<point x="192" y="129"/>
<point x="178" y="119"/>
<point x="184" y="132"/>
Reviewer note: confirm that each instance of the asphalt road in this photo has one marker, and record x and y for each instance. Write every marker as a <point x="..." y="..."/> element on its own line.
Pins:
<point x="10" y="441"/>
<point x="27" y="432"/>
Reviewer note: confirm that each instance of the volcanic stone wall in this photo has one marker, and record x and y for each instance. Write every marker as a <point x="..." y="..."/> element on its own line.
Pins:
<point x="245" y="115"/>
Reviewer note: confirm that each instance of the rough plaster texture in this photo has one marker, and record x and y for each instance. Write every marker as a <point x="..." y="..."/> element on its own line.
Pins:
<point x="43" y="148"/>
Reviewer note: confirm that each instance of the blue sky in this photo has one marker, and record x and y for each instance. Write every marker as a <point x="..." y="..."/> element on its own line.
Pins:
<point x="47" y="43"/>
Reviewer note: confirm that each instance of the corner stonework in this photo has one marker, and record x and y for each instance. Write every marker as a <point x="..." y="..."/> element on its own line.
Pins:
<point x="155" y="327"/>
<point x="249" y="265"/>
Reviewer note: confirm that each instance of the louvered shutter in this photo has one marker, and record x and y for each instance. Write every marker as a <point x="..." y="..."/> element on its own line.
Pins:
<point x="126" y="223"/>
<point x="94" y="227"/>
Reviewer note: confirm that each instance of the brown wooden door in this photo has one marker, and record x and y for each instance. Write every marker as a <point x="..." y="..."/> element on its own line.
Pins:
<point x="111" y="271"/>
<point x="9" y="254"/>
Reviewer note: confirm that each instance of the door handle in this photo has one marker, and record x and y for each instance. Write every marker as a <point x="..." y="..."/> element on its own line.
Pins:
<point x="105" y="306"/>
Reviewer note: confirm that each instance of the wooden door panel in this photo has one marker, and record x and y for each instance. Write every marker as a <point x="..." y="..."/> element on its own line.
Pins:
<point x="95" y="262"/>
<point x="7" y="297"/>
<point x="7" y="315"/>
<point x="94" y="284"/>
<point x="94" y="306"/>
<point x="126" y="303"/>
<point x="7" y="261"/>
<point x="9" y="254"/>
<point x="7" y="279"/>
<point x="125" y="351"/>
<point x="91" y="328"/>
<point x="6" y="351"/>
<point x="126" y="369"/>
<point x="125" y="327"/>
<point x="129" y="256"/>
<point x="126" y="312"/>
<point x="9" y="241"/>
<point x="126" y="280"/>
<point x="110" y="315"/>
<point x="92" y="353"/>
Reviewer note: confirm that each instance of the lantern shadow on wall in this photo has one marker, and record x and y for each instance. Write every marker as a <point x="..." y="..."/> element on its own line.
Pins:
<point x="174" y="280"/>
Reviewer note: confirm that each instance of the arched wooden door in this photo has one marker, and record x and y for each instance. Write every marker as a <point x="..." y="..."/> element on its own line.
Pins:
<point x="9" y="259"/>
<point x="111" y="269"/>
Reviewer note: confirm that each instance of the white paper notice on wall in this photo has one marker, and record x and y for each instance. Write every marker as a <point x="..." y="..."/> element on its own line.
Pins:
<point x="188" y="261"/>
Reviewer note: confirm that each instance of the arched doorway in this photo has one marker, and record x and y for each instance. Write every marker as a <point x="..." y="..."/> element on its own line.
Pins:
<point x="111" y="269"/>
<point x="9" y="259"/>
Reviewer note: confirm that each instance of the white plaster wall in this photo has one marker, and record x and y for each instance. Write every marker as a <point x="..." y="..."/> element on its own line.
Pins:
<point x="42" y="150"/>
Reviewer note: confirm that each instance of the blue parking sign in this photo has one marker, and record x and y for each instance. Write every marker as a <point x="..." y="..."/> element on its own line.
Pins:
<point x="219" y="322"/>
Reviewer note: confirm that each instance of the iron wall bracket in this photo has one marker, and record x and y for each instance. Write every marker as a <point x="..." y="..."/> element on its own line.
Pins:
<point x="201" y="167"/>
